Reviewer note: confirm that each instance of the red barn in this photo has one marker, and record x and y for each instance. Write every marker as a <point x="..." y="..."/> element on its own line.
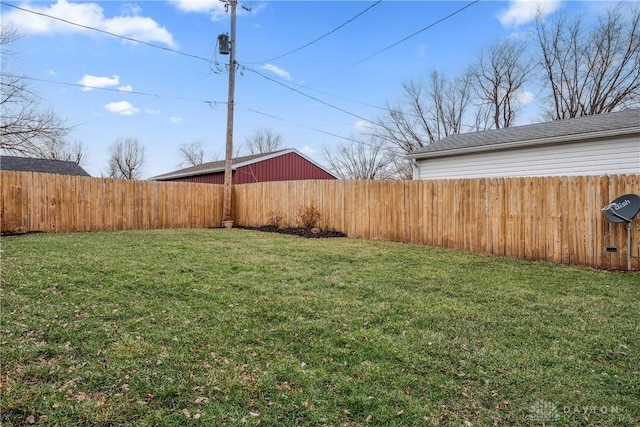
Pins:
<point x="283" y="165"/>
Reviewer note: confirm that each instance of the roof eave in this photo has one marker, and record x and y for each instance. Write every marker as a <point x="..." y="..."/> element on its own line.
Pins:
<point x="188" y="174"/>
<point x="526" y="143"/>
<point x="234" y="166"/>
<point x="238" y="165"/>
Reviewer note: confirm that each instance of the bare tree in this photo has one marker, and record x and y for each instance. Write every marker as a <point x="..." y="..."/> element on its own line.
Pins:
<point x="8" y="37"/>
<point x="401" y="167"/>
<point x="361" y="159"/>
<point x="430" y="111"/>
<point x="451" y="99"/>
<point x="126" y="159"/>
<point x="26" y="129"/>
<point x="75" y="152"/>
<point x="264" y="140"/>
<point x="192" y="153"/>
<point x="64" y="150"/>
<point x="591" y="71"/>
<point x="498" y="78"/>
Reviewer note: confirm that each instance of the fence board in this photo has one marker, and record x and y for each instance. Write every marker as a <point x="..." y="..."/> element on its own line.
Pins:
<point x="46" y="202"/>
<point x="557" y="219"/>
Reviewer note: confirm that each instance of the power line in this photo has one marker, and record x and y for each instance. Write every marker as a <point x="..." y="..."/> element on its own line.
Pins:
<point x="319" y="38"/>
<point x="294" y="123"/>
<point x="156" y="96"/>
<point x="290" y="89"/>
<point x="433" y="24"/>
<point x="355" y="101"/>
<point x="309" y="96"/>
<point x="118" y="90"/>
<point x="361" y="61"/>
<point x="415" y="33"/>
<point x="315" y="129"/>
<point x="105" y="32"/>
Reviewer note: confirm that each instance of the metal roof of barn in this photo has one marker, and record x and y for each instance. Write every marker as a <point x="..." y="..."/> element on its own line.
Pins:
<point x="218" y="165"/>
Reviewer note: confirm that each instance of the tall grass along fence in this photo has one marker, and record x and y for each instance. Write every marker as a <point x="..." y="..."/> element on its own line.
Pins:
<point x="47" y="202"/>
<point x="556" y="219"/>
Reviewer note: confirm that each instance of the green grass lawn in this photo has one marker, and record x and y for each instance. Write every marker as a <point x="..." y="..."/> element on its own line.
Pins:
<point x="238" y="327"/>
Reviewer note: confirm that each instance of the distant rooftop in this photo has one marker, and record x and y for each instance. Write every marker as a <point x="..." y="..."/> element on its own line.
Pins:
<point x="218" y="165"/>
<point x="215" y="166"/>
<point x="621" y="122"/>
<point x="28" y="164"/>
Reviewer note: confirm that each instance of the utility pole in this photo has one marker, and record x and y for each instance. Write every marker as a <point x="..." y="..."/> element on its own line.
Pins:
<point x="227" y="221"/>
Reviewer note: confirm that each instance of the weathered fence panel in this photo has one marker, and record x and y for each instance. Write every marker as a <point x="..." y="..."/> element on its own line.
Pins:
<point x="556" y="219"/>
<point x="47" y="202"/>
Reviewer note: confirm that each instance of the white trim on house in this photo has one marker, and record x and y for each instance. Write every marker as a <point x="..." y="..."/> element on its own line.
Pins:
<point x="596" y="156"/>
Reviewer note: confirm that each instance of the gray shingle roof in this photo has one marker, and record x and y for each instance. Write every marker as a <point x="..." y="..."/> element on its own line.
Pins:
<point x="211" y="167"/>
<point x="622" y="122"/>
<point x="27" y="164"/>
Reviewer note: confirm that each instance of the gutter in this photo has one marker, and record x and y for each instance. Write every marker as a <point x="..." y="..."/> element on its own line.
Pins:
<point x="187" y="174"/>
<point x="519" y="144"/>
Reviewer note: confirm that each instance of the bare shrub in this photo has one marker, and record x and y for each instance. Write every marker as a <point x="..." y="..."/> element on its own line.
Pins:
<point x="275" y="219"/>
<point x="309" y="216"/>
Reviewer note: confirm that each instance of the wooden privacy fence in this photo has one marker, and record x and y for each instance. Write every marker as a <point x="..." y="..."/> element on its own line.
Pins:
<point x="556" y="219"/>
<point x="46" y="202"/>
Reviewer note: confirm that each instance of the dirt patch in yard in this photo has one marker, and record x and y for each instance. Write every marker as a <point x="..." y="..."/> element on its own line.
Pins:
<point x="302" y="232"/>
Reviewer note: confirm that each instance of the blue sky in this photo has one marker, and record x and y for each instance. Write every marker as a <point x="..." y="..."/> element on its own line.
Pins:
<point x="180" y="98"/>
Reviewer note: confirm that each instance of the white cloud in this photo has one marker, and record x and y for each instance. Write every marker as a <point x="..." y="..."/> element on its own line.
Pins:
<point x="152" y="112"/>
<point x="525" y="97"/>
<point x="213" y="7"/>
<point x="362" y="126"/>
<point x="123" y="108"/>
<point x="308" y="150"/>
<point x="91" y="82"/>
<point x="277" y="71"/>
<point x="51" y="72"/>
<point x="523" y="11"/>
<point x="89" y="15"/>
<point x="423" y="50"/>
<point x="127" y="88"/>
<point x="175" y="120"/>
<point x="139" y="28"/>
<point x="130" y="9"/>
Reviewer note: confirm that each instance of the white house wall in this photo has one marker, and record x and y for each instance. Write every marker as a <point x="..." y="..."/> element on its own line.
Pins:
<point x="601" y="157"/>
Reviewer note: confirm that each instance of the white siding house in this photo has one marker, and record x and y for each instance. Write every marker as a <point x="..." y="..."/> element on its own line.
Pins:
<point x="605" y="144"/>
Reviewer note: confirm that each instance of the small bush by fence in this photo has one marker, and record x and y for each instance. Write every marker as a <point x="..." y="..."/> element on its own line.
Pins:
<point x="556" y="219"/>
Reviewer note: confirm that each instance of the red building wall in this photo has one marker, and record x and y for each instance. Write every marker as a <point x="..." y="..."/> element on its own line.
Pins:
<point x="288" y="167"/>
<point x="282" y="168"/>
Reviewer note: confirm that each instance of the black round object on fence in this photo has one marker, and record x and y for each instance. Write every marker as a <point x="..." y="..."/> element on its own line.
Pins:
<point x="623" y="208"/>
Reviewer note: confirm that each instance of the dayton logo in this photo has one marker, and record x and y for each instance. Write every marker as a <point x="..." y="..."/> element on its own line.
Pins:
<point x="544" y="413"/>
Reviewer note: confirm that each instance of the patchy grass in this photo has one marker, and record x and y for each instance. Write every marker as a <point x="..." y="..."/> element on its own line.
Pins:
<point x="233" y="327"/>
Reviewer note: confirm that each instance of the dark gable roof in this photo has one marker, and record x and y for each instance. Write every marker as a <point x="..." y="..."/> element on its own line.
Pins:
<point x="585" y="127"/>
<point x="218" y="165"/>
<point x="27" y="164"/>
<point x="210" y="166"/>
